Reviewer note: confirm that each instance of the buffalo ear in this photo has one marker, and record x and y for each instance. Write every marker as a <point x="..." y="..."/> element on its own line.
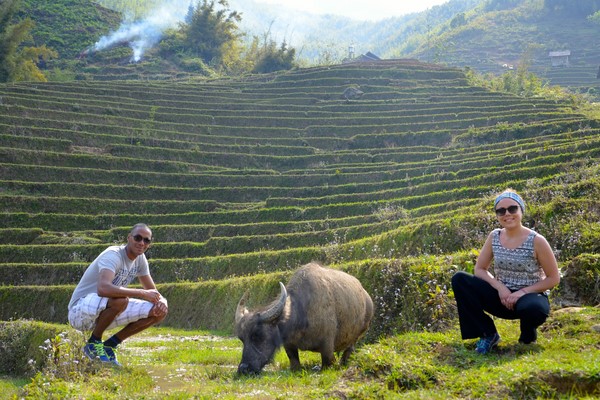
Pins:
<point x="241" y="307"/>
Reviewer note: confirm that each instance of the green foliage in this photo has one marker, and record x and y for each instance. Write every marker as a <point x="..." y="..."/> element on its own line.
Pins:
<point x="172" y="45"/>
<point x="459" y="20"/>
<point x="19" y="63"/>
<point x="566" y="7"/>
<point x="42" y="274"/>
<point x="208" y="38"/>
<point x="392" y="213"/>
<point x="434" y="365"/>
<point x="67" y="26"/>
<point x="210" y="30"/>
<point x="493" y="36"/>
<point x="60" y="74"/>
<point x="245" y="179"/>
<point x="10" y="38"/>
<point x="501" y="4"/>
<point x="409" y="294"/>
<point x="595" y="17"/>
<point x="23" y="302"/>
<point x="519" y="82"/>
<point x="64" y="358"/>
<point x="581" y="279"/>
<point x="269" y="58"/>
<point x="135" y="9"/>
<point x="21" y="236"/>
<point x="26" y="68"/>
<point x="195" y="65"/>
<point x="23" y="351"/>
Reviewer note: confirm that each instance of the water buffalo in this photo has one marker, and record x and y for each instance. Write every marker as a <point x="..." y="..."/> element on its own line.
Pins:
<point x="322" y="310"/>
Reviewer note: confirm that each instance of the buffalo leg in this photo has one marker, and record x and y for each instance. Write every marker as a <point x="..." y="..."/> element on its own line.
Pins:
<point x="292" y="353"/>
<point x="346" y="355"/>
<point x="327" y="355"/>
<point x="327" y="360"/>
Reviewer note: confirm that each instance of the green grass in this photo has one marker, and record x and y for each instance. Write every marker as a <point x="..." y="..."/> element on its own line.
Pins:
<point x="591" y="110"/>
<point x="165" y="363"/>
<point x="10" y="386"/>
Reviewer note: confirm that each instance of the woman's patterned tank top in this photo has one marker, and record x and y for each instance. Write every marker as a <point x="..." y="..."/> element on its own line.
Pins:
<point x="516" y="268"/>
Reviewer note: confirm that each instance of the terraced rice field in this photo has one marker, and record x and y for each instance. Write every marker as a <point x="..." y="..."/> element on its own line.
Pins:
<point x="243" y="180"/>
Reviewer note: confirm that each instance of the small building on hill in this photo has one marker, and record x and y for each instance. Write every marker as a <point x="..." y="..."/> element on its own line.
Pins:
<point x="368" y="56"/>
<point x="560" y="58"/>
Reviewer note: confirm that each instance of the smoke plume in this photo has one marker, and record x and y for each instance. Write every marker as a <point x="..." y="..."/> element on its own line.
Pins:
<point x="141" y="35"/>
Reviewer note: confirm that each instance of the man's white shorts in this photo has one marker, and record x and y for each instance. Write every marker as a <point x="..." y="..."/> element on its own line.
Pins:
<point x="85" y="312"/>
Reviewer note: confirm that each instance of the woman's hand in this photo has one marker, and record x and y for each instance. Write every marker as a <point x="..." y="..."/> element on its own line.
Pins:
<point x="504" y="294"/>
<point x="511" y="299"/>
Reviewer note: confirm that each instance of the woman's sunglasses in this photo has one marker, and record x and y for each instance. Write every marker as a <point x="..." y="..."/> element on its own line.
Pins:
<point x="139" y="238"/>
<point x="511" y="210"/>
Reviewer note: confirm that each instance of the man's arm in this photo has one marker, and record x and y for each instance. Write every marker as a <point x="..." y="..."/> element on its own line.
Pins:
<point x="107" y="289"/>
<point x="147" y="282"/>
<point x="160" y="308"/>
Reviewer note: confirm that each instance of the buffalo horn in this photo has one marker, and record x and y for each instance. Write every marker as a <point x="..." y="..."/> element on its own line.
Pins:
<point x="241" y="308"/>
<point x="277" y="308"/>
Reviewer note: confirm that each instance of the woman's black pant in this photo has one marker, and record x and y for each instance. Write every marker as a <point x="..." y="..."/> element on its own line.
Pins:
<point x="475" y="298"/>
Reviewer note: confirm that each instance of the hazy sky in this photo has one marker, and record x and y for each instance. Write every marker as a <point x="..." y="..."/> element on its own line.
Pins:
<point x="359" y="9"/>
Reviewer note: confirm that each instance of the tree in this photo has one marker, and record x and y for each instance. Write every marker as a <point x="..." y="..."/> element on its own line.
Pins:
<point x="520" y="82"/>
<point x="28" y="62"/>
<point x="19" y="63"/>
<point x="210" y="31"/>
<point x="271" y="58"/>
<point x="595" y="18"/>
<point x="502" y="4"/>
<point x="11" y="36"/>
<point x="459" y="19"/>
<point x="578" y="8"/>
<point x="190" y="14"/>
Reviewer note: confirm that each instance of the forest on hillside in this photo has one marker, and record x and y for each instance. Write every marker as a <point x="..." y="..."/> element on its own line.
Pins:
<point x="213" y="38"/>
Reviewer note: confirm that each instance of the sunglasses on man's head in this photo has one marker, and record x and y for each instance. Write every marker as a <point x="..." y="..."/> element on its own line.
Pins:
<point x="139" y="238"/>
<point x="511" y="210"/>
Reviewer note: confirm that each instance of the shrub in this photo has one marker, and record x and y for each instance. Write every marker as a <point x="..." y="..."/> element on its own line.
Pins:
<point x="195" y="65"/>
<point x="581" y="279"/>
<point x="410" y="294"/>
<point x="23" y="344"/>
<point x="54" y="355"/>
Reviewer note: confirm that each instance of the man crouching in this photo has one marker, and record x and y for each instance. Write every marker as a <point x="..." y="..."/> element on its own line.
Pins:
<point x="102" y="301"/>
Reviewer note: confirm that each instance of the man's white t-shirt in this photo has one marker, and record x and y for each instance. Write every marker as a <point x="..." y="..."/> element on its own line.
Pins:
<point x="115" y="259"/>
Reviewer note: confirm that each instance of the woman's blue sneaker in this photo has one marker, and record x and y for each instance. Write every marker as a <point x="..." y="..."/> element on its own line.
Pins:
<point x="486" y="343"/>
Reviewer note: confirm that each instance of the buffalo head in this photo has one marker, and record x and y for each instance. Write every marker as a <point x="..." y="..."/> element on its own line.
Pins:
<point x="259" y="333"/>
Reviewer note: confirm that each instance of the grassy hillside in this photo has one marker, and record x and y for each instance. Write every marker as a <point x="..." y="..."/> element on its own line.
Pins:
<point x="68" y="26"/>
<point x="495" y="41"/>
<point x="256" y="176"/>
<point x="490" y="39"/>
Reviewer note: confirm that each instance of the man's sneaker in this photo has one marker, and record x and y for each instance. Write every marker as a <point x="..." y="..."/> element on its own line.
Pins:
<point x="111" y="353"/>
<point x="486" y="343"/>
<point x="95" y="351"/>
